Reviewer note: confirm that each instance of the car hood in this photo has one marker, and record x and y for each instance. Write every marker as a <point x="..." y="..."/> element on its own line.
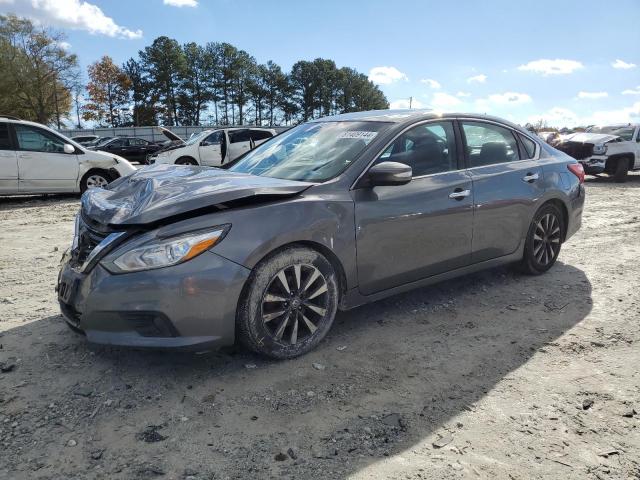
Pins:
<point x="170" y="135"/>
<point x="586" y="137"/>
<point x="158" y="192"/>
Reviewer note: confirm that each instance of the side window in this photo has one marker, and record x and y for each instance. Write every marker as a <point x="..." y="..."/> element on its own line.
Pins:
<point x="529" y="146"/>
<point x="213" y="139"/>
<point x="5" y="141"/>
<point x="257" y="135"/>
<point x="488" y="144"/>
<point x="429" y="148"/>
<point x="116" y="143"/>
<point x="34" y="139"/>
<point x="239" y="136"/>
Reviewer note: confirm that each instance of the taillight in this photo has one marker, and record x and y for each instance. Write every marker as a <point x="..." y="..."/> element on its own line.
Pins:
<point x="578" y="170"/>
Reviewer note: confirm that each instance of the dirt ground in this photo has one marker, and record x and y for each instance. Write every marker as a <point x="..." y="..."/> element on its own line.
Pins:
<point x="495" y="375"/>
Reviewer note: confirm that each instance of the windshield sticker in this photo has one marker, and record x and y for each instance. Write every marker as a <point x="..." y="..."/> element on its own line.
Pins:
<point x="361" y="134"/>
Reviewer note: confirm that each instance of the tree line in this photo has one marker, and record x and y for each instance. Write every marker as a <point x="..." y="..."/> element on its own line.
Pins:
<point x="170" y="84"/>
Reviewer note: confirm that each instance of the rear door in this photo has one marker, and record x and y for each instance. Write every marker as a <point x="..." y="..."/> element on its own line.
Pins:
<point x="8" y="161"/>
<point x="506" y="184"/>
<point x="42" y="164"/>
<point x="239" y="143"/>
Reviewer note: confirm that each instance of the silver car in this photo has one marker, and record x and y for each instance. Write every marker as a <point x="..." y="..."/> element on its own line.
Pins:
<point x="331" y="214"/>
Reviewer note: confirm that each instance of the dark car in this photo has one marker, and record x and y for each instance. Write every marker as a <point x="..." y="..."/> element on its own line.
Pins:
<point x="85" y="139"/>
<point x="132" y="148"/>
<point x="331" y="214"/>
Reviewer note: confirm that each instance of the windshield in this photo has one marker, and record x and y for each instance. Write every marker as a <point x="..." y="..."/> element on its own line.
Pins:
<point x="625" y="132"/>
<point x="313" y="152"/>
<point x="197" y="138"/>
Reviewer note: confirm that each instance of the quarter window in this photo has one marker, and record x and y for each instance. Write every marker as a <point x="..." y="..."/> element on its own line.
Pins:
<point x="257" y="135"/>
<point x="239" y="136"/>
<point x="36" y="140"/>
<point x="529" y="146"/>
<point x="429" y="148"/>
<point x="5" y="141"/>
<point x="488" y="144"/>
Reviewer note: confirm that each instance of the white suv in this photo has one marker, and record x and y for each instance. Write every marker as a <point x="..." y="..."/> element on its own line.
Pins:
<point x="37" y="159"/>
<point x="211" y="148"/>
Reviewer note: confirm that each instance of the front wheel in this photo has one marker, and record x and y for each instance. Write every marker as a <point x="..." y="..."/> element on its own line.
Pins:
<point x="543" y="241"/>
<point x="621" y="171"/>
<point x="94" y="179"/>
<point x="289" y="304"/>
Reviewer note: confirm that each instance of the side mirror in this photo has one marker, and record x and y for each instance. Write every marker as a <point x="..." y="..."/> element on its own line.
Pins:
<point x="68" y="148"/>
<point x="389" y="174"/>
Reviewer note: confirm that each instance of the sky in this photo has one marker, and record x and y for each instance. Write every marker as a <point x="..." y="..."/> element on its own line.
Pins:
<point x="569" y="62"/>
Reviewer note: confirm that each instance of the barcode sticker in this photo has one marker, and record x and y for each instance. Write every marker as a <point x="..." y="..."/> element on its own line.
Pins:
<point x="361" y="134"/>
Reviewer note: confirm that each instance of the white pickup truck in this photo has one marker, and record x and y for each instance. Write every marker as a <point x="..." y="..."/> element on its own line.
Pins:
<point x="611" y="149"/>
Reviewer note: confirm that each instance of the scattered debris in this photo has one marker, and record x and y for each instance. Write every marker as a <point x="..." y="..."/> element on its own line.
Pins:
<point x="318" y="366"/>
<point x="587" y="403"/>
<point x="443" y="441"/>
<point x="151" y="434"/>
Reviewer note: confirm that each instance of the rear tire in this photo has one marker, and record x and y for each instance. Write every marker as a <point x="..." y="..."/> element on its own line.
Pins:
<point x="289" y="303"/>
<point x="621" y="170"/>
<point x="186" y="161"/>
<point x="544" y="240"/>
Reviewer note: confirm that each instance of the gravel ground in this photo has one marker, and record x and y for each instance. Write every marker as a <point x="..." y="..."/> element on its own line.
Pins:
<point x="495" y="375"/>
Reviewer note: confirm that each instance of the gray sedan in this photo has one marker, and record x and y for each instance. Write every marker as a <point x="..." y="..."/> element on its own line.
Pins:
<point x="329" y="215"/>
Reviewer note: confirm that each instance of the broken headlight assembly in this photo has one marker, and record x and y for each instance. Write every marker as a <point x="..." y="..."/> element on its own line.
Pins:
<point x="164" y="252"/>
<point x="599" y="149"/>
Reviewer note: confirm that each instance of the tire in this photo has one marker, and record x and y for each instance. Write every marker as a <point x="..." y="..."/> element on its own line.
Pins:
<point x="186" y="161"/>
<point x="544" y="240"/>
<point x="621" y="170"/>
<point x="95" y="178"/>
<point x="278" y="324"/>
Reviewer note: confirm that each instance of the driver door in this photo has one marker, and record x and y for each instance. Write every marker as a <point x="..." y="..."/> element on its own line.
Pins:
<point x="210" y="149"/>
<point x="405" y="233"/>
<point x="42" y="164"/>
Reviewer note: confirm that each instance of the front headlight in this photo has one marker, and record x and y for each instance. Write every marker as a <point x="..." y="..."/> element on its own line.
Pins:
<point x="600" y="149"/>
<point x="169" y="251"/>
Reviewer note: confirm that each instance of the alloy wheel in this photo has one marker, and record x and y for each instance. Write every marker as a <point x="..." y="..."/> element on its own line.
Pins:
<point x="97" y="181"/>
<point x="295" y="303"/>
<point x="546" y="239"/>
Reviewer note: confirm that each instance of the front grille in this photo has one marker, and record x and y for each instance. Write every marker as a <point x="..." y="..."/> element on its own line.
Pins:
<point x="88" y="239"/>
<point x="577" y="150"/>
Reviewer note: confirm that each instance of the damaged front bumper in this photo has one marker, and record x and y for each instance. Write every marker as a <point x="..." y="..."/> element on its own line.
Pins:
<point x="188" y="306"/>
<point x="594" y="164"/>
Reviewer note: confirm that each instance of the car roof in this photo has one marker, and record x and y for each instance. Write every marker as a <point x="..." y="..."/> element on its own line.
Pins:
<point x="408" y="116"/>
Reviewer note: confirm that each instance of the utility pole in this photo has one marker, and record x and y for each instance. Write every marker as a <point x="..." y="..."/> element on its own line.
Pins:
<point x="410" y="102"/>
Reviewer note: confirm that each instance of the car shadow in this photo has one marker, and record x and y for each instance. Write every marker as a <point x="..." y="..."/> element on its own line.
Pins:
<point x="633" y="181"/>
<point x="16" y="202"/>
<point x="389" y="375"/>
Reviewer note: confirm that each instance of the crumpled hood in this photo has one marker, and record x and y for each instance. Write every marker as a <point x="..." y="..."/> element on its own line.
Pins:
<point x="586" y="137"/>
<point x="161" y="191"/>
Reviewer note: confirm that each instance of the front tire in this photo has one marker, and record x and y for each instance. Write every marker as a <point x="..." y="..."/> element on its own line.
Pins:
<point x="621" y="170"/>
<point x="95" y="179"/>
<point x="186" y="161"/>
<point x="289" y="303"/>
<point x="544" y="240"/>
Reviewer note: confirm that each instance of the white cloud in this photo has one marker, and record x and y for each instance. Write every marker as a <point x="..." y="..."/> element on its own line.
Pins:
<point x="632" y="91"/>
<point x="64" y="45"/>
<point x="75" y="14"/>
<point x="477" y="79"/>
<point x="181" y="3"/>
<point x="559" y="117"/>
<point x="556" y="117"/>
<point x="508" y="98"/>
<point x="444" y="100"/>
<point x="386" y="75"/>
<point x="592" y="95"/>
<point x="551" y="67"/>
<point x="622" y="65"/>
<point x="463" y="94"/>
<point x="431" y="83"/>
<point x="404" y="103"/>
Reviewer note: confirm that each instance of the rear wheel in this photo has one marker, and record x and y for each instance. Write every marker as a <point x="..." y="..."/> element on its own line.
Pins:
<point x="289" y="304"/>
<point x="544" y="240"/>
<point x="186" y="161"/>
<point x="621" y="170"/>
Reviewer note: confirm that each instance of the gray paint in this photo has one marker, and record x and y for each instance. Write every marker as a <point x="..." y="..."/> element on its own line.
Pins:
<point x="384" y="240"/>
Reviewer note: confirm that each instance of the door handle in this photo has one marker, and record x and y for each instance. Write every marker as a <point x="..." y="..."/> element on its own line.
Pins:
<point x="530" y="177"/>
<point x="459" y="194"/>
